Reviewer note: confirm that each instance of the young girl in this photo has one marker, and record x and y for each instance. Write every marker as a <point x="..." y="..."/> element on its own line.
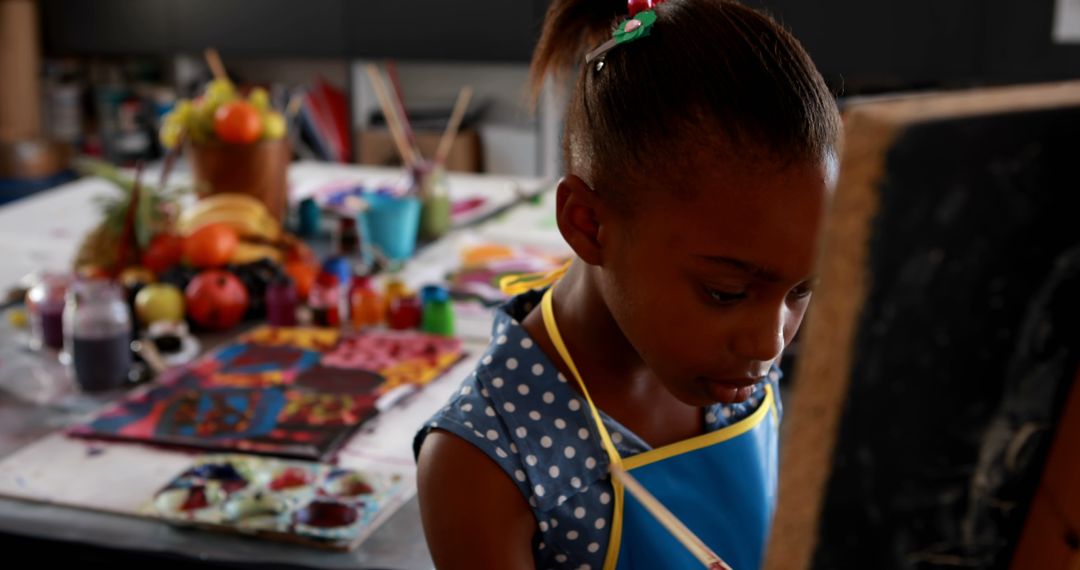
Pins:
<point x="699" y="146"/>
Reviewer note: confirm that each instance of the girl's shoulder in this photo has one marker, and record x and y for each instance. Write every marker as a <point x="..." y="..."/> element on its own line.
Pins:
<point x="520" y="411"/>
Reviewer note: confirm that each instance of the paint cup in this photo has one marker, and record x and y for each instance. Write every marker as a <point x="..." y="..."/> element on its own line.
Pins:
<point x="393" y="223"/>
<point x="438" y="317"/>
<point x="405" y="313"/>
<point x="45" y="304"/>
<point x="308" y="218"/>
<point x="325" y="300"/>
<point x="365" y="303"/>
<point x="281" y="303"/>
<point x="429" y="183"/>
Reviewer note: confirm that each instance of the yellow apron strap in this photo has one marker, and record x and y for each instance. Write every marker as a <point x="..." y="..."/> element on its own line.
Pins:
<point x="560" y="346"/>
<point x="518" y="284"/>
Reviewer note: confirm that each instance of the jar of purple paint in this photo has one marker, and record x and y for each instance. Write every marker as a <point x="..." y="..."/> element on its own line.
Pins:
<point x="45" y="305"/>
<point x="97" y="335"/>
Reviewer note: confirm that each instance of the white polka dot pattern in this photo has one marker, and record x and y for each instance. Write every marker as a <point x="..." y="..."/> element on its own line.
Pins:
<point x="518" y="401"/>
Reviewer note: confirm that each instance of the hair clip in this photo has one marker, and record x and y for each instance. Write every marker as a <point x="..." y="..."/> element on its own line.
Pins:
<point x="635" y="28"/>
<point x="642" y="17"/>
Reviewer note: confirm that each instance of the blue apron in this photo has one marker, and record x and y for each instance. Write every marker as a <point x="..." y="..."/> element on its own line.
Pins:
<point x="721" y="485"/>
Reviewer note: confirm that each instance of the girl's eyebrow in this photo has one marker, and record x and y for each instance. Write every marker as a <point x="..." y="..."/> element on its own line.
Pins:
<point x="753" y="270"/>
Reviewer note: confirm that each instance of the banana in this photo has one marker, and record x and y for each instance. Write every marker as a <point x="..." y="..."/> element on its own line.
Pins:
<point x="264" y="229"/>
<point x="245" y="214"/>
<point x="248" y="252"/>
<point x="234" y="202"/>
<point x="232" y="199"/>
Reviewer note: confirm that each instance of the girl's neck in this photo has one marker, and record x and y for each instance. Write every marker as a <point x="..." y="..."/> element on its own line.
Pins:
<point x="618" y="380"/>
<point x="613" y="371"/>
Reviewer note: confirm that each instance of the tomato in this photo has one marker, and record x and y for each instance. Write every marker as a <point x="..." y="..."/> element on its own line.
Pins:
<point x="238" y="122"/>
<point x="163" y="253"/>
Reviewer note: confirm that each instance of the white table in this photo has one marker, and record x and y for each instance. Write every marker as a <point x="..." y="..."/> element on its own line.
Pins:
<point x="43" y="231"/>
<point x="55" y="473"/>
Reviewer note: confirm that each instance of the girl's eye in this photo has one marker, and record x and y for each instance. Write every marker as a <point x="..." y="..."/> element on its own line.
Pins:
<point x="725" y="297"/>
<point x="802" y="291"/>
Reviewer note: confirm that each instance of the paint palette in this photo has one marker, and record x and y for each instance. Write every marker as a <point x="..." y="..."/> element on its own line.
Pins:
<point x="307" y="503"/>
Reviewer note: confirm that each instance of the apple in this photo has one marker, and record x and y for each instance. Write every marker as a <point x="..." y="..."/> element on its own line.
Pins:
<point x="159" y="302"/>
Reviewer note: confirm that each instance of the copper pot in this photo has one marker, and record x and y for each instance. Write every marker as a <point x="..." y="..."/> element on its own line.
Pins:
<point x="258" y="169"/>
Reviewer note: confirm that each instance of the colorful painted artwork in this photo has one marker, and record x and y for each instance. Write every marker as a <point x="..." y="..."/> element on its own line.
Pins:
<point x="314" y="504"/>
<point x="288" y="392"/>
<point x="484" y="265"/>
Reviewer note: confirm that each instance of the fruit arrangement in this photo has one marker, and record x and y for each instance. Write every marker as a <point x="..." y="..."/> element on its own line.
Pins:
<point x="223" y="251"/>
<point x="230" y="228"/>
<point x="221" y="114"/>
<point x="210" y="261"/>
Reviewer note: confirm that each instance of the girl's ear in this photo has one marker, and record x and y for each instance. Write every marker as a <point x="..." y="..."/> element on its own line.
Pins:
<point x="579" y="212"/>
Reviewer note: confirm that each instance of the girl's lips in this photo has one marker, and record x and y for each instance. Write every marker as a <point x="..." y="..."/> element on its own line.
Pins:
<point x="732" y="391"/>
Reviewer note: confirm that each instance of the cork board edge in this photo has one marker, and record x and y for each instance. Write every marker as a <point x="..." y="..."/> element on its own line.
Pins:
<point x="824" y="365"/>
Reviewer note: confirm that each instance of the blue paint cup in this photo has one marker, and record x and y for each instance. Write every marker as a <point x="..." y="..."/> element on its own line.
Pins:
<point x="392" y="224"/>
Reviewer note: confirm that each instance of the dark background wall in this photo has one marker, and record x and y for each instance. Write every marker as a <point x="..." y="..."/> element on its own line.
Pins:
<point x="860" y="45"/>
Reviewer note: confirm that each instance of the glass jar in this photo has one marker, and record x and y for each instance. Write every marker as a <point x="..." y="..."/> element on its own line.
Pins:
<point x="281" y="303"/>
<point x="325" y="301"/>
<point x="45" y="305"/>
<point x="430" y="185"/>
<point x="366" y="304"/>
<point x="438" y="311"/>
<point x="97" y="335"/>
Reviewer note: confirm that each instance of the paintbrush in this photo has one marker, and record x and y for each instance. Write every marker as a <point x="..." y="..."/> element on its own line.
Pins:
<point x="684" y="535"/>
<point x="392" y="121"/>
<point x="447" y="140"/>
<point x="399" y="99"/>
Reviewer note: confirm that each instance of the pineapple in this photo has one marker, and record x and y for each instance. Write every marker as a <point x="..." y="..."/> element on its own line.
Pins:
<point x="154" y="214"/>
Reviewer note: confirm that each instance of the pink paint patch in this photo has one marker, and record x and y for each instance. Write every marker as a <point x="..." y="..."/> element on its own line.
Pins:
<point x="632" y="25"/>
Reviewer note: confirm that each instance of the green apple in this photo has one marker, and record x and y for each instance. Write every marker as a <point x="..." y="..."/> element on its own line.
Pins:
<point x="159" y="302"/>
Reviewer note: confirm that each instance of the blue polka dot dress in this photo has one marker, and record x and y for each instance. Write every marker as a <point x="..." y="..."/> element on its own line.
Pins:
<point x="519" y="410"/>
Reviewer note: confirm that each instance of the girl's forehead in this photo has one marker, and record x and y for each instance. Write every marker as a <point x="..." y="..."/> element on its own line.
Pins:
<point x="765" y="217"/>
<point x="740" y="192"/>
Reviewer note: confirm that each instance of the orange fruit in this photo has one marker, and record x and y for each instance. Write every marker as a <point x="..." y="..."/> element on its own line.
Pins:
<point x="303" y="276"/>
<point x="212" y="245"/>
<point x="238" y="122"/>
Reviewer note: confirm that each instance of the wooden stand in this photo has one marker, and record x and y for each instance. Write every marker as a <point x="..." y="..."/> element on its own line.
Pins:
<point x="937" y="337"/>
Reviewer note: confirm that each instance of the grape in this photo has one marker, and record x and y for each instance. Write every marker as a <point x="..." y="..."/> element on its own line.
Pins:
<point x="274" y="125"/>
<point x="182" y="112"/>
<point x="178" y="275"/>
<point x="221" y="90"/>
<point x="170" y="134"/>
<point x="259" y="99"/>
